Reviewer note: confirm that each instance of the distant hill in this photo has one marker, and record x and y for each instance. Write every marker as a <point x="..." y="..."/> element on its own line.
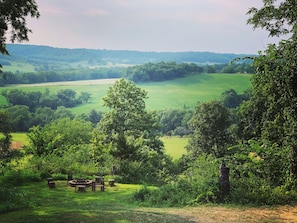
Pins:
<point x="73" y="58"/>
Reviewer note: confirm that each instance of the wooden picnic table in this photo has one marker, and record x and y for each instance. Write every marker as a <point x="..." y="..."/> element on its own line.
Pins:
<point x="80" y="184"/>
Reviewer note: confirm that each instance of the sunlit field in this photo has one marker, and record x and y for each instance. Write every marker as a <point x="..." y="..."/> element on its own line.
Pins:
<point x="175" y="146"/>
<point x="176" y="93"/>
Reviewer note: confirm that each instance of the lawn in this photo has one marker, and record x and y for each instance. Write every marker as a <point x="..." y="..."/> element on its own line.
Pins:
<point x="62" y="205"/>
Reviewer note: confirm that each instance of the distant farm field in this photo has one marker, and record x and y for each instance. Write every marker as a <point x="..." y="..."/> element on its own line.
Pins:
<point x="175" y="146"/>
<point x="162" y="95"/>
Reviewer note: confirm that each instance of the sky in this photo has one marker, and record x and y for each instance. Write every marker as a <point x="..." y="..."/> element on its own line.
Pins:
<point x="148" y="25"/>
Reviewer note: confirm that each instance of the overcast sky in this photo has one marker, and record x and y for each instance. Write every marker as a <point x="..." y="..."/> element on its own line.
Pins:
<point x="148" y="25"/>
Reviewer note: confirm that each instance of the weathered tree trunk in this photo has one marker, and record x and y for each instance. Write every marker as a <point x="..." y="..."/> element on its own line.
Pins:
<point x="224" y="182"/>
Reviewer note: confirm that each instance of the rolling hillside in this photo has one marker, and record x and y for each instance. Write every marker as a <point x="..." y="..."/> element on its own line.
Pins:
<point x="30" y="58"/>
<point x="162" y="95"/>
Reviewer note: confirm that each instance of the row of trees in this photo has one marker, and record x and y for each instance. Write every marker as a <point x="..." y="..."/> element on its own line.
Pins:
<point x="160" y="71"/>
<point x="64" y="97"/>
<point x="56" y="76"/>
<point x="140" y="73"/>
<point x="171" y="70"/>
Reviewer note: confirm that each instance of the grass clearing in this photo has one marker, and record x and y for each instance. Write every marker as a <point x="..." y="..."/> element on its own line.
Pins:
<point x="63" y="204"/>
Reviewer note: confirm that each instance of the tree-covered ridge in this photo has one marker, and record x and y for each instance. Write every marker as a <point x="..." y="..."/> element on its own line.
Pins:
<point x="47" y="55"/>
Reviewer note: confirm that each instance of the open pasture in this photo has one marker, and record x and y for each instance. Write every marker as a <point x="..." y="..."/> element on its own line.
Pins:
<point x="162" y="95"/>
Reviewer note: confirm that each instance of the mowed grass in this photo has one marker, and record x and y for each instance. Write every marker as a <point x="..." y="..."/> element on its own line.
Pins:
<point x="63" y="204"/>
<point x="162" y="95"/>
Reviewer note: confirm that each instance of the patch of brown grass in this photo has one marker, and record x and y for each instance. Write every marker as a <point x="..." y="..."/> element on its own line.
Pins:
<point x="16" y="145"/>
<point x="214" y="214"/>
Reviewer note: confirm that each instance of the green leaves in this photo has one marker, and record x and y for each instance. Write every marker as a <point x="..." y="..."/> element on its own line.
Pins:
<point x="210" y="124"/>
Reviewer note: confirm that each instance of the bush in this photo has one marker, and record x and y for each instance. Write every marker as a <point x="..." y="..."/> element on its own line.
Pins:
<point x="17" y="177"/>
<point x="12" y="199"/>
<point x="256" y="191"/>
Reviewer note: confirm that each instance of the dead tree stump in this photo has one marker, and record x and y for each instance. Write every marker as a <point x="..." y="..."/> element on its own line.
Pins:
<point x="224" y="182"/>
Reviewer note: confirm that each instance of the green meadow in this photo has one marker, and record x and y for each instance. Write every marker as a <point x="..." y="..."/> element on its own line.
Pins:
<point x="174" y="146"/>
<point x="162" y="95"/>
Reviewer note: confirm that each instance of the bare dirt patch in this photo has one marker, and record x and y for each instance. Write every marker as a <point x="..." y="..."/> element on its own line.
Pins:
<point x="16" y="145"/>
<point x="214" y="214"/>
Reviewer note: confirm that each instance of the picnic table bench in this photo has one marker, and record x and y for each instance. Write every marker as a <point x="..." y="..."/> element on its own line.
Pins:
<point x="51" y="183"/>
<point x="80" y="188"/>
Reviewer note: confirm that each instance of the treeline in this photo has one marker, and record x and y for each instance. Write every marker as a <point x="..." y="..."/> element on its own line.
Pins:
<point x="141" y="73"/>
<point x="27" y="109"/>
<point x="167" y="71"/>
<point x="57" y="76"/>
<point x="160" y="71"/>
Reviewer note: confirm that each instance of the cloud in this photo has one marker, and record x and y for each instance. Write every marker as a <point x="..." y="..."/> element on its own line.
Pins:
<point x="158" y="25"/>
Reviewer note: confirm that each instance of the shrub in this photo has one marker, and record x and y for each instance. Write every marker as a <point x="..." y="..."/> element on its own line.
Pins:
<point x="17" y="177"/>
<point x="12" y="199"/>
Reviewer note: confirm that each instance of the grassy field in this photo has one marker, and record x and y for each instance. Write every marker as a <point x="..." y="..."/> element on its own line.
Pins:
<point x="175" y="146"/>
<point x="162" y="95"/>
<point x="62" y="204"/>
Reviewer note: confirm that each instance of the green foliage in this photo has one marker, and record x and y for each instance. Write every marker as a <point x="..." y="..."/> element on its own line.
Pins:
<point x="130" y="134"/>
<point x="231" y="99"/>
<point x="199" y="184"/>
<point x="12" y="199"/>
<point x="210" y="125"/>
<point x="270" y="115"/>
<point x="160" y="71"/>
<point x="175" y="121"/>
<point x="277" y="17"/>
<point x="19" y="177"/>
<point x="13" y="19"/>
<point x="58" y="136"/>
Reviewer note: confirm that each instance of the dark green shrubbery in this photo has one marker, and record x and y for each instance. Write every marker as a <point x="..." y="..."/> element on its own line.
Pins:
<point x="199" y="184"/>
<point x="18" y="177"/>
<point x="12" y="199"/>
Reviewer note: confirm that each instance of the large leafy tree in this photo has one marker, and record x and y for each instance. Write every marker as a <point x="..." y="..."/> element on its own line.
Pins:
<point x="128" y="125"/>
<point x="210" y="125"/>
<point x="271" y="114"/>
<point x="129" y="133"/>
